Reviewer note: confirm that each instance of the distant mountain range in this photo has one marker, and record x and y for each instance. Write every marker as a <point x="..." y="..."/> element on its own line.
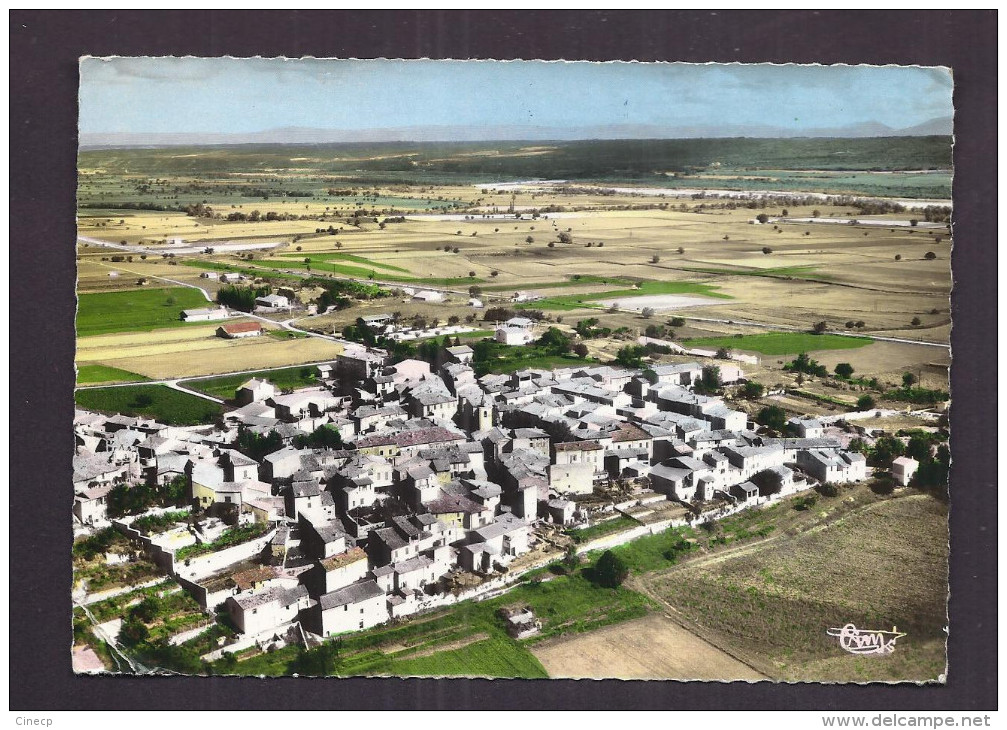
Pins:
<point x="309" y="135"/>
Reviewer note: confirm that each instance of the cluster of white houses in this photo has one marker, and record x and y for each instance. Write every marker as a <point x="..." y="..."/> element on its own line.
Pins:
<point x="438" y="472"/>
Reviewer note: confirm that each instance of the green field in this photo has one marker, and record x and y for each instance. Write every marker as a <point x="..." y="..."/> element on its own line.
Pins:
<point x="224" y="387"/>
<point x="154" y="401"/>
<point x="359" y="272"/>
<point x="330" y="257"/>
<point x="574" y="280"/>
<point x="135" y="311"/>
<point x="568" y="302"/>
<point x="496" y="657"/>
<point x="93" y="374"/>
<point x="469" y="638"/>
<point x="781" y="343"/>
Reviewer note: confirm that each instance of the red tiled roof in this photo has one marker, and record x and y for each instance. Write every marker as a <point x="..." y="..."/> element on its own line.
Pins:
<point x="578" y="446"/>
<point x="629" y="432"/>
<point x="233" y="329"/>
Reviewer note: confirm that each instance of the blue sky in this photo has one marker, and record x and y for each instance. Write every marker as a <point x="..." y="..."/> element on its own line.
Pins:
<point x="192" y="95"/>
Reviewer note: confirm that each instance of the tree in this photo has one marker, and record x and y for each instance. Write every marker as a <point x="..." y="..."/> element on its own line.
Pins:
<point x="647" y="312"/>
<point x="865" y="403"/>
<point x="723" y="354"/>
<point x="676" y="322"/>
<point x="820" y="327"/>
<point x="767" y="250"/>
<point x="133" y="632"/>
<point x="630" y="356"/>
<point x="681" y="250"/>
<point x="898" y="257"/>
<point x="908" y="380"/>
<point x="816" y="213"/>
<point x="929" y="255"/>
<point x="555" y="341"/>
<point x="655" y="259"/>
<point x="762" y="218"/>
<point x="610" y="570"/>
<point x="565" y="237"/>
<point x="494" y="274"/>
<point x="709" y="381"/>
<point x="529" y="239"/>
<point x="916" y="322"/>
<point x="580" y="350"/>
<point x="772" y="417"/>
<point x="752" y="390"/>
<point x="914" y="222"/>
<point x="844" y="370"/>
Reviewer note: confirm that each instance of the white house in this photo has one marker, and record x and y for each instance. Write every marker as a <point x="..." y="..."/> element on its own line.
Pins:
<point x="272" y="301"/>
<point x="515" y="331"/>
<point x="270" y="609"/>
<point x="207" y="314"/>
<point x="903" y="469"/>
<point x="358" y="606"/>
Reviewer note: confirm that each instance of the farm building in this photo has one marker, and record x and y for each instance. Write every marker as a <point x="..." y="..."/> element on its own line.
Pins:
<point x="207" y="314"/>
<point x="212" y="275"/>
<point x="239" y="330"/>
<point x="272" y="301"/>
<point x="427" y="295"/>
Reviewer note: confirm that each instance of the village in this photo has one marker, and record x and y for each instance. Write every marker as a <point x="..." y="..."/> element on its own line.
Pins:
<point x="391" y="488"/>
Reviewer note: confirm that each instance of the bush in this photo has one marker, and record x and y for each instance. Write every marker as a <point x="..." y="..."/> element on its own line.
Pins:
<point x="865" y="403"/>
<point x="611" y="570"/>
<point x="827" y="490"/>
<point x="844" y="370"/>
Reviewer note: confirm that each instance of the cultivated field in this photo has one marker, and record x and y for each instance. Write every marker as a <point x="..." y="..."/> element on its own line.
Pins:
<point x="879" y="565"/>
<point x="654" y="647"/>
<point x="196" y="350"/>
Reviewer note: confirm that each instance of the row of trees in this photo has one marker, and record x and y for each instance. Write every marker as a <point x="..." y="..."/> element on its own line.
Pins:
<point x="242" y="298"/>
<point x="124" y="499"/>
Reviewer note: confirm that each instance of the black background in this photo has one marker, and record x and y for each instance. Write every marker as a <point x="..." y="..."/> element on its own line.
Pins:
<point x="45" y="47"/>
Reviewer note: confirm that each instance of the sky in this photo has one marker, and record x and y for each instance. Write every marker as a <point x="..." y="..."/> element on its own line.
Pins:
<point x="226" y="96"/>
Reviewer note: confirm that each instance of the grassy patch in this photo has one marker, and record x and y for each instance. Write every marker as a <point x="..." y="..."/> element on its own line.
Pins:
<point x="581" y="280"/>
<point x="91" y="374"/>
<point x="423" y="646"/>
<point x="330" y="257"/>
<point x="780" y="343"/>
<point x="234" y="536"/>
<point x="360" y="272"/>
<point x="495" y="657"/>
<point x="224" y="387"/>
<point x="601" y="529"/>
<point x="154" y="401"/>
<point x="134" y="311"/>
<point x="281" y="334"/>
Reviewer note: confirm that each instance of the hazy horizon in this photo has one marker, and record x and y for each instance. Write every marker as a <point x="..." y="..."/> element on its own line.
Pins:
<point x="241" y="101"/>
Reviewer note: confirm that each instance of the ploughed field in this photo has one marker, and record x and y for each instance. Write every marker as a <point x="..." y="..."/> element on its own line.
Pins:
<point x="878" y="566"/>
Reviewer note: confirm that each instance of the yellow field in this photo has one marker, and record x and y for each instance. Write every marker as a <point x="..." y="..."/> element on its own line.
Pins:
<point x="191" y="351"/>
